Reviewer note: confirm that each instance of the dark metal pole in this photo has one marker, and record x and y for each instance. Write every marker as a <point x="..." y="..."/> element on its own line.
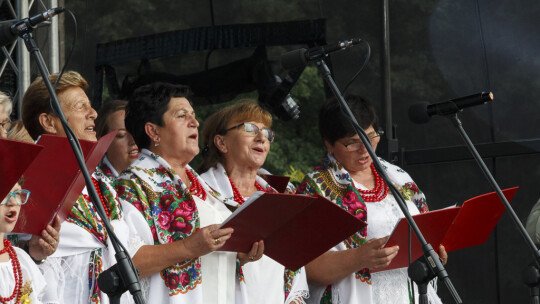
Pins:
<point x="390" y="143"/>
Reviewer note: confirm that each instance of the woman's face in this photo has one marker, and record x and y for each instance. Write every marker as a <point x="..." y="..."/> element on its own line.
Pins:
<point x="245" y="149"/>
<point x="79" y="114"/>
<point x="179" y="136"/>
<point x="4" y="118"/>
<point x="9" y="212"/>
<point x="123" y="150"/>
<point x="354" y="161"/>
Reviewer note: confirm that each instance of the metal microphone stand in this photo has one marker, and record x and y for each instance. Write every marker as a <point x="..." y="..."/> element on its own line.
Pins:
<point x="434" y="265"/>
<point x="531" y="275"/>
<point x="126" y="269"/>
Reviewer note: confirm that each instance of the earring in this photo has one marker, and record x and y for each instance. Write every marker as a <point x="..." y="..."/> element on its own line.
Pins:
<point x="156" y="144"/>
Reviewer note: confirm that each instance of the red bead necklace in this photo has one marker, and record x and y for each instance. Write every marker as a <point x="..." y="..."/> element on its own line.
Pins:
<point x="379" y="192"/>
<point x="17" y="273"/>
<point x="236" y="194"/>
<point x="98" y="189"/>
<point x="196" y="187"/>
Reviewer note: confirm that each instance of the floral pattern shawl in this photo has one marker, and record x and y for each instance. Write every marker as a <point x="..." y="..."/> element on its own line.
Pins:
<point x="331" y="180"/>
<point x="156" y="190"/>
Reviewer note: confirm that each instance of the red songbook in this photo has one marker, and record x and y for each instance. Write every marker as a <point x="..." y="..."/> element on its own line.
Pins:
<point x="55" y="180"/>
<point x="15" y="157"/>
<point x="295" y="228"/>
<point x="454" y="228"/>
<point x="278" y="182"/>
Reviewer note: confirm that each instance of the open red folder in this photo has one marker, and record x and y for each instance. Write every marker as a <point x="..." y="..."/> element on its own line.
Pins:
<point x="15" y="157"/>
<point x="454" y="228"/>
<point x="55" y="180"/>
<point x="278" y="182"/>
<point x="295" y="228"/>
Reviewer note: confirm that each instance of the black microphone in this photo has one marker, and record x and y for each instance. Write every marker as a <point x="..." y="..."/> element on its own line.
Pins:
<point x="10" y="31"/>
<point x="422" y="112"/>
<point x="301" y="57"/>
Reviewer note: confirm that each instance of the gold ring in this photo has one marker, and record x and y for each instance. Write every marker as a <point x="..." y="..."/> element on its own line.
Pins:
<point x="216" y="241"/>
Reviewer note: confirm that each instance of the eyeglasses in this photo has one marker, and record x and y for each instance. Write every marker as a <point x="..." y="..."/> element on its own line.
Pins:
<point x="252" y="128"/>
<point x="355" y="146"/>
<point x="6" y="125"/>
<point x="20" y="197"/>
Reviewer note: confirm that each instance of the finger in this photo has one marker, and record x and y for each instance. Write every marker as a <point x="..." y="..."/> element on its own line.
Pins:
<point x="260" y="251"/>
<point x="56" y="224"/>
<point x="384" y="252"/>
<point x="254" y="249"/>
<point x="46" y="247"/>
<point x="47" y="237"/>
<point x="378" y="243"/>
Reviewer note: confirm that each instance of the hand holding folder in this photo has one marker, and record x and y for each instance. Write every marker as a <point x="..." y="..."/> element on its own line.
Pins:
<point x="55" y="180"/>
<point x="454" y="228"/>
<point x="295" y="228"/>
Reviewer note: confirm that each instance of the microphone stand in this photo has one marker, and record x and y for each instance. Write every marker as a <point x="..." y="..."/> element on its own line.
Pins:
<point x="531" y="274"/>
<point x="126" y="270"/>
<point x="431" y="265"/>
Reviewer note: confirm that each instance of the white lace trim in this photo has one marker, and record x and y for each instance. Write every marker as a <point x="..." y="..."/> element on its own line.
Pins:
<point x="299" y="297"/>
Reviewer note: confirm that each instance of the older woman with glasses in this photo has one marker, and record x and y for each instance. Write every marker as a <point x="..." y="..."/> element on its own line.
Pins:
<point x="348" y="178"/>
<point x="180" y="255"/>
<point x="237" y="140"/>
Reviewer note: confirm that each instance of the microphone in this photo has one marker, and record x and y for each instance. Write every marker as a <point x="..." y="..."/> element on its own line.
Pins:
<point x="10" y="31"/>
<point x="301" y="57"/>
<point x="422" y="112"/>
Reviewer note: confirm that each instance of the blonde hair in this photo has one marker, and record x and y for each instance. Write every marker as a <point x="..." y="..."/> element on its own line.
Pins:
<point x="18" y="132"/>
<point x="5" y="103"/>
<point x="36" y="99"/>
<point x="216" y="124"/>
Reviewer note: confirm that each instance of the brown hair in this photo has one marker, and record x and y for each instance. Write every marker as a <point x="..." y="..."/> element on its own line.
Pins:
<point x="36" y="100"/>
<point x="18" y="132"/>
<point x="105" y="111"/>
<point x="217" y="124"/>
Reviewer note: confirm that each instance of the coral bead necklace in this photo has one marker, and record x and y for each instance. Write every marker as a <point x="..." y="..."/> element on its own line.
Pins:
<point x="98" y="189"/>
<point x="196" y="187"/>
<point x="379" y="192"/>
<point x="237" y="196"/>
<point x="17" y="273"/>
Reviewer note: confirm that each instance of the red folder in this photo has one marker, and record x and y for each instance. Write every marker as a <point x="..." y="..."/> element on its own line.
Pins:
<point x="278" y="182"/>
<point x="455" y="228"/>
<point x="56" y="181"/>
<point x="295" y="228"/>
<point x="15" y="157"/>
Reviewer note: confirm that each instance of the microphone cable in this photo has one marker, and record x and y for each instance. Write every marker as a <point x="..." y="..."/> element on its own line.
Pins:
<point x="368" y="56"/>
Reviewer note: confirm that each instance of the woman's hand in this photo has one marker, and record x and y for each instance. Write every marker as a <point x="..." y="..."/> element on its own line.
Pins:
<point x="254" y="254"/>
<point x="40" y="247"/>
<point x="372" y="255"/>
<point x="207" y="239"/>
<point x="443" y="255"/>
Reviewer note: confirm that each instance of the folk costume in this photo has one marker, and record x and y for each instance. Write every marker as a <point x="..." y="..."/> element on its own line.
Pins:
<point x="266" y="280"/>
<point x="21" y="282"/>
<point x="84" y="249"/>
<point x="379" y="209"/>
<point x="173" y="213"/>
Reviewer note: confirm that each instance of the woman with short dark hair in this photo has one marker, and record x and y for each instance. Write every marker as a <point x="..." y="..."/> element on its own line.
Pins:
<point x="180" y="254"/>
<point x="348" y="178"/>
